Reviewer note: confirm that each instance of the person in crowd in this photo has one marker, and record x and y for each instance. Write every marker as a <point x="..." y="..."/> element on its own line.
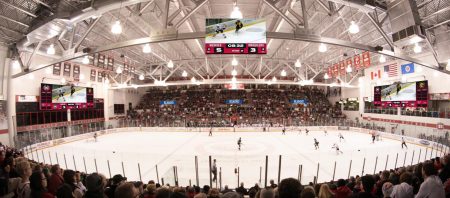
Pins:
<point x="38" y="185"/>
<point x="242" y="190"/>
<point x="20" y="186"/>
<point x="78" y="182"/>
<point x="342" y="191"/>
<point x="95" y="185"/>
<point x="325" y="192"/>
<point x="214" y="193"/>
<point x="253" y="190"/>
<point x="166" y="193"/>
<point x="267" y="193"/>
<point x="387" y="189"/>
<point x="56" y="180"/>
<point x="404" y="189"/>
<point x="289" y="188"/>
<point x="444" y="174"/>
<point x="116" y="181"/>
<point x="126" y="190"/>
<point x="226" y="189"/>
<point x="65" y="191"/>
<point x="432" y="186"/>
<point x="308" y="192"/>
<point x="69" y="180"/>
<point x="367" y="185"/>
<point x="383" y="178"/>
<point x="151" y="191"/>
<point x="272" y="184"/>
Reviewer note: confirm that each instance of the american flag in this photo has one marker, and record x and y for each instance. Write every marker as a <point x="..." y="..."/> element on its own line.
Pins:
<point x="391" y="69"/>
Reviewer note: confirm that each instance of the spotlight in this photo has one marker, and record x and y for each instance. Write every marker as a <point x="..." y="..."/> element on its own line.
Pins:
<point x="382" y="59"/>
<point x="147" y="49"/>
<point x="85" y="60"/>
<point x="322" y="48"/>
<point x="353" y="28"/>
<point x="51" y="49"/>
<point x="298" y="63"/>
<point x="141" y="77"/>
<point x="184" y="74"/>
<point x="116" y="28"/>
<point x="417" y="48"/>
<point x="170" y="64"/>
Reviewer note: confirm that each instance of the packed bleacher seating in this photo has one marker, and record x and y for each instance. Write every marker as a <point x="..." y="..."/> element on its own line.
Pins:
<point x="207" y="107"/>
<point x="24" y="178"/>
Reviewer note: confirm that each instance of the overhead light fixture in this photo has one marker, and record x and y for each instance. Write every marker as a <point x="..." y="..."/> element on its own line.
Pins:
<point x="119" y="70"/>
<point x="353" y="28"/>
<point x="141" y="77"/>
<point x="234" y="62"/>
<point x="283" y="73"/>
<point x="417" y="48"/>
<point x="16" y="64"/>
<point x="274" y="79"/>
<point x="233" y="80"/>
<point x="415" y="39"/>
<point x="322" y="48"/>
<point x="193" y="80"/>
<point x="51" y="49"/>
<point x="298" y="63"/>
<point x="147" y="49"/>
<point x="170" y="64"/>
<point x="116" y="28"/>
<point x="382" y="59"/>
<point x="184" y="74"/>
<point x="85" y="60"/>
<point x="63" y="81"/>
<point x="349" y="69"/>
<point x="234" y="72"/>
<point x="326" y="76"/>
<point x="236" y="13"/>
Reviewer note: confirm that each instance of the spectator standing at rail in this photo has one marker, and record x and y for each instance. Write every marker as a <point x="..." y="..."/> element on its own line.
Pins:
<point x="38" y="185"/>
<point x="367" y="186"/>
<point x="272" y="184"/>
<point x="242" y="190"/>
<point x="69" y="183"/>
<point x="116" y="181"/>
<point x="342" y="190"/>
<point x="95" y="184"/>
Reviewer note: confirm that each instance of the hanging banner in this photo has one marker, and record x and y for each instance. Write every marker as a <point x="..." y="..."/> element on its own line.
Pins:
<point x="336" y="70"/>
<point x="342" y="67"/>
<point x="91" y="58"/>
<point x="330" y="72"/>
<point x="76" y="73"/>
<point x="93" y="74"/>
<point x="110" y="64"/>
<point x="67" y="67"/>
<point x="366" y="59"/>
<point x="125" y="68"/>
<point x="357" y="61"/>
<point x="350" y="62"/>
<point x="57" y="69"/>
<point x="100" y="77"/>
<point x="101" y="62"/>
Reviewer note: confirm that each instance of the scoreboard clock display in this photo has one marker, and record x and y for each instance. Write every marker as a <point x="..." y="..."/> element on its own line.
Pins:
<point x="235" y="36"/>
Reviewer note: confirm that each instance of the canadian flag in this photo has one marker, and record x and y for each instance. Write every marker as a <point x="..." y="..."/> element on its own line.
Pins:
<point x="376" y="74"/>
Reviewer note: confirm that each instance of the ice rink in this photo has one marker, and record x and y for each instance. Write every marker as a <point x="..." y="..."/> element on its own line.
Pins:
<point x="250" y="34"/>
<point x="168" y="149"/>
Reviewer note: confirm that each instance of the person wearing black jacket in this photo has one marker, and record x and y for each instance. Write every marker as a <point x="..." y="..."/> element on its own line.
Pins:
<point x="367" y="184"/>
<point x="445" y="172"/>
<point x="242" y="190"/>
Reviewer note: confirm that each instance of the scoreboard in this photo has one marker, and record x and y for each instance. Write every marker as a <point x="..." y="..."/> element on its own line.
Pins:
<point x="235" y="36"/>
<point x="236" y="48"/>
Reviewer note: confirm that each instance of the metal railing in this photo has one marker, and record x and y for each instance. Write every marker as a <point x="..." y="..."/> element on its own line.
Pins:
<point x="419" y="113"/>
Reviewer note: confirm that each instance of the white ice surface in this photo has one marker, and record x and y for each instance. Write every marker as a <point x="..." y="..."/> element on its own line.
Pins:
<point x="244" y="36"/>
<point x="180" y="148"/>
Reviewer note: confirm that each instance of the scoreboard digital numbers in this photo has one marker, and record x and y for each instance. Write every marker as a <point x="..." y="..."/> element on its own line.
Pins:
<point x="235" y="36"/>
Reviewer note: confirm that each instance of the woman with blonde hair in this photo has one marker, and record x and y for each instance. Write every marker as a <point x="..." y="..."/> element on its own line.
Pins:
<point x="325" y="192"/>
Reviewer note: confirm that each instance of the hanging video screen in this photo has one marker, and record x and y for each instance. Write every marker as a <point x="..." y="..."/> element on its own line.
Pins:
<point x="235" y="36"/>
<point x="58" y="97"/>
<point x="410" y="94"/>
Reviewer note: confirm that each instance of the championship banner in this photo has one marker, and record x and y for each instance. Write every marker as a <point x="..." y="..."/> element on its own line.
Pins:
<point x="357" y="61"/>
<point x="330" y="72"/>
<point x="57" y="69"/>
<point x="350" y="63"/>
<point x="100" y="77"/>
<point x="366" y="59"/>
<point x="66" y="71"/>
<point x="76" y="73"/>
<point x="336" y="70"/>
<point x="125" y="68"/>
<point x="342" y="67"/>
<point x="101" y="61"/>
<point x="110" y="64"/>
<point x="91" y="58"/>
<point x="93" y="74"/>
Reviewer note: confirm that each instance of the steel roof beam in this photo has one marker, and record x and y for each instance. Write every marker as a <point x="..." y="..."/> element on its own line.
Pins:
<point x="20" y="9"/>
<point x="186" y="17"/>
<point x="12" y="20"/>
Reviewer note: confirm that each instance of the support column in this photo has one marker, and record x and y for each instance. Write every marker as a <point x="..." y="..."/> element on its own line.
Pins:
<point x="10" y="101"/>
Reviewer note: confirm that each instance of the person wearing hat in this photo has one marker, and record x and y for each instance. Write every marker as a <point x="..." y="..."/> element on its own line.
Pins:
<point x="116" y="181"/>
<point x="95" y="184"/>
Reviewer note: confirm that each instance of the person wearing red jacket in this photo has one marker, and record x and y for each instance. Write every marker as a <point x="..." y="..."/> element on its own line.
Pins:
<point x="342" y="190"/>
<point x="56" y="180"/>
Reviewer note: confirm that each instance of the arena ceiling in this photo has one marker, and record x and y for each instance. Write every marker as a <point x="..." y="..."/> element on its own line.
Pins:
<point x="73" y="25"/>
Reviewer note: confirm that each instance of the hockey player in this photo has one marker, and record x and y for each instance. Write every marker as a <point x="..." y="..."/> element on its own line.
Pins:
<point x="210" y="132"/>
<point x="306" y="131"/>
<point x="219" y="30"/>
<point x="325" y="132"/>
<point x="72" y="90"/>
<point x="341" y="137"/>
<point x="336" y="147"/>
<point x="316" y="144"/>
<point x="404" y="143"/>
<point x="95" y="136"/>
<point x="61" y="94"/>
<point x="299" y="131"/>
<point x="239" y="26"/>
<point x="239" y="143"/>
<point x="373" y="137"/>
<point x="283" y="131"/>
